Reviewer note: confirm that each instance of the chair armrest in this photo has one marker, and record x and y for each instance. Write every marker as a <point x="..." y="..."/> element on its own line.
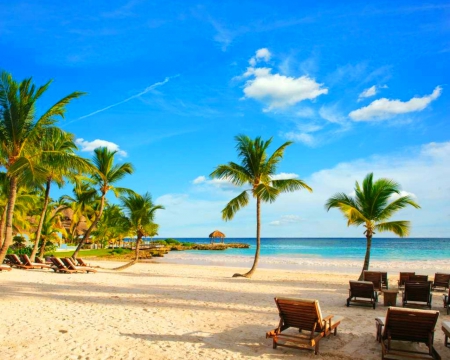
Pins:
<point x="379" y="324"/>
<point x="379" y="321"/>
<point x="327" y="318"/>
<point x="272" y="333"/>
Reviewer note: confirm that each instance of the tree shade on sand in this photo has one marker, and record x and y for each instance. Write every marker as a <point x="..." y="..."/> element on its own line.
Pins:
<point x="257" y="169"/>
<point x="373" y="204"/>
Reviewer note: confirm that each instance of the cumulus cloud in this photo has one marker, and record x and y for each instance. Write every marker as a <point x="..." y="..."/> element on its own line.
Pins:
<point x="90" y="146"/>
<point x="276" y="90"/>
<point x="218" y="183"/>
<point x="286" y="220"/>
<point x="199" y="180"/>
<point x="303" y="137"/>
<point x="284" y="176"/>
<point x="372" y="91"/>
<point x="382" y="109"/>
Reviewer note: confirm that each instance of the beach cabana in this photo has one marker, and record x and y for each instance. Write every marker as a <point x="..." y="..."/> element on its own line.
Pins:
<point x="216" y="234"/>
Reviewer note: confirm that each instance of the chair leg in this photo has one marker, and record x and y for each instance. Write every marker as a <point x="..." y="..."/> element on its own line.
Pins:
<point x="316" y="349"/>
<point x="274" y="344"/>
<point x="335" y="331"/>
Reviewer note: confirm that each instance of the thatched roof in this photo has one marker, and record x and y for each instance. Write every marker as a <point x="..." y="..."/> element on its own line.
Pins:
<point x="217" y="234"/>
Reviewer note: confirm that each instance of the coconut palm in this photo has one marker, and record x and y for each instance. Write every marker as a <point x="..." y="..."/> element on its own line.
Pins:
<point x="20" y="130"/>
<point x="51" y="227"/>
<point x="373" y="204"/>
<point x="60" y="161"/>
<point x="103" y="178"/>
<point x="257" y="169"/>
<point x="139" y="215"/>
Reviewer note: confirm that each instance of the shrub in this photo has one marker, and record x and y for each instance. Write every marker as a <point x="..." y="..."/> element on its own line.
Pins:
<point x="172" y="242"/>
<point x="119" y="251"/>
<point x="188" y="244"/>
<point x="22" y="251"/>
<point x="161" y="242"/>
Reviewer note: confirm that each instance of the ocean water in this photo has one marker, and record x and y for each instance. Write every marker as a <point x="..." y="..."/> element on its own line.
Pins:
<point x="426" y="254"/>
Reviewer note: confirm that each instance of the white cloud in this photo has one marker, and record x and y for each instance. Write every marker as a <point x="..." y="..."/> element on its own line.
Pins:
<point x="382" y="109"/>
<point x="90" y="146"/>
<point x="372" y="91"/>
<point x="218" y="183"/>
<point x="199" y="180"/>
<point x="305" y="112"/>
<point x="276" y="90"/>
<point x="286" y="220"/>
<point x="303" y="137"/>
<point x="284" y="176"/>
<point x="331" y="114"/>
<point x="403" y="193"/>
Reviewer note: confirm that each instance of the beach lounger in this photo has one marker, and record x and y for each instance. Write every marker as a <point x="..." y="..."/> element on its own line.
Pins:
<point x="441" y="280"/>
<point x="365" y="291"/>
<point x="375" y="276"/>
<point x="410" y="325"/>
<point x="60" y="267"/>
<point x="81" y="262"/>
<point x="446" y="330"/>
<point x="26" y="261"/>
<point x="304" y="315"/>
<point x="4" y="267"/>
<point x="16" y="262"/>
<point x="404" y="276"/>
<point x="70" y="265"/>
<point x="416" y="293"/>
<point x="418" y="278"/>
<point x="447" y="302"/>
<point x="42" y="261"/>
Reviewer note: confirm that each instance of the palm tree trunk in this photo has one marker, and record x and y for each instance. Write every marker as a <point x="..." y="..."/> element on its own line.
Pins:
<point x="41" y="222"/>
<point x="9" y="217"/>
<point x="367" y="257"/>
<point x="2" y="226"/>
<point x="258" y="241"/>
<point x="136" y="256"/>
<point x="94" y="223"/>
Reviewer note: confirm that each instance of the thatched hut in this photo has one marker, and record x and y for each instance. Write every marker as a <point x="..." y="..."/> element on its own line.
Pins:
<point x="217" y="234"/>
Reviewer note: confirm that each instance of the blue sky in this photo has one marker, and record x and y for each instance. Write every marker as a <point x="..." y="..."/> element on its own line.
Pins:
<point x="358" y="87"/>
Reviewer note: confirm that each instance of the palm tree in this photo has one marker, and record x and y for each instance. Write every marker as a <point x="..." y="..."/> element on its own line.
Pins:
<point x="104" y="177"/>
<point x="371" y="206"/>
<point x="19" y="133"/>
<point x="60" y="161"/>
<point x="257" y="169"/>
<point x="139" y="215"/>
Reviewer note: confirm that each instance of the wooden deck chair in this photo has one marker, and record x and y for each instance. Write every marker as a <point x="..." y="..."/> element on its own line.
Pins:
<point x="418" y="278"/>
<point x="417" y="292"/>
<point x="70" y="265"/>
<point x="16" y="262"/>
<point x="446" y="330"/>
<point x="441" y="280"/>
<point x="42" y="261"/>
<point x="81" y="262"/>
<point x="374" y="276"/>
<point x="410" y="325"/>
<point x="365" y="291"/>
<point x="384" y="280"/>
<point x="447" y="302"/>
<point x="302" y="314"/>
<point x="4" y="267"/>
<point x="60" y="267"/>
<point x="404" y="276"/>
<point x="26" y="261"/>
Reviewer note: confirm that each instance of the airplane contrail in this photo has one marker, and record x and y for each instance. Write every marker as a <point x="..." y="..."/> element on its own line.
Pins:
<point x="146" y="90"/>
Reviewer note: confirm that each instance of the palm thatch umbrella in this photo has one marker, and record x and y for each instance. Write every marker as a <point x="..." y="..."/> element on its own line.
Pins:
<point x="216" y="234"/>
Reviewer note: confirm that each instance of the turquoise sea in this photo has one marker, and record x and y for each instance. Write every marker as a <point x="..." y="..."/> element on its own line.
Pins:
<point x="392" y="249"/>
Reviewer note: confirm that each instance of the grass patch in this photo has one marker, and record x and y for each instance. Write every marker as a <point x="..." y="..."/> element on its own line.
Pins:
<point x="88" y="253"/>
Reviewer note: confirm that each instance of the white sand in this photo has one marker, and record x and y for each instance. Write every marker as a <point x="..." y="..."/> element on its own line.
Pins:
<point x="171" y="311"/>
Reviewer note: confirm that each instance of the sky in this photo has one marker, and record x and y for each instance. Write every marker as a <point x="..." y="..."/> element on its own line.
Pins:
<point x="358" y="87"/>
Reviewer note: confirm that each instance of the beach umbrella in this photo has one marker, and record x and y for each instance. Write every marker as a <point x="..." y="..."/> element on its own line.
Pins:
<point x="216" y="234"/>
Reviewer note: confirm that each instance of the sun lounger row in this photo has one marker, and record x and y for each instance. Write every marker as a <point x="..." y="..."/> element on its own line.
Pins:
<point x="4" y="267"/>
<point x="65" y="265"/>
<point x="399" y="325"/>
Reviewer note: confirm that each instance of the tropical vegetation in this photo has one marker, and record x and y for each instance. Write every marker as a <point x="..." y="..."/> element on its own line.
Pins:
<point x="373" y="204"/>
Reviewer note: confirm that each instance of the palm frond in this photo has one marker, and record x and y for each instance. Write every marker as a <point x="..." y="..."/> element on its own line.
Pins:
<point x="400" y="228"/>
<point x="289" y="185"/>
<point x="235" y="205"/>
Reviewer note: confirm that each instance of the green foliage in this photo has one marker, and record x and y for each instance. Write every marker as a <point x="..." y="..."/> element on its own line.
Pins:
<point x="19" y="241"/>
<point x="22" y="251"/>
<point x="187" y="244"/>
<point x="161" y="242"/>
<point x="120" y="251"/>
<point x="172" y="242"/>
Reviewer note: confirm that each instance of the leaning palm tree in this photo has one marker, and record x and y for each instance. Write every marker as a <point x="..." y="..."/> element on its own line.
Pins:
<point x="60" y="161"/>
<point x="20" y="130"/>
<point x="257" y="169"/>
<point x="103" y="178"/>
<point x="139" y="215"/>
<point x="373" y="204"/>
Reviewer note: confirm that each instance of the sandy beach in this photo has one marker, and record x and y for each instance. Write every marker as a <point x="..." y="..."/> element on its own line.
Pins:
<point x="173" y="311"/>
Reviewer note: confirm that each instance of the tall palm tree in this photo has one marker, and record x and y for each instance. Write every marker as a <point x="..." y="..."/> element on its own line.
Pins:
<point x="139" y="215"/>
<point x="257" y="169"/>
<point x="103" y="178"/>
<point x="372" y="205"/>
<point x="20" y="130"/>
<point x="60" y="161"/>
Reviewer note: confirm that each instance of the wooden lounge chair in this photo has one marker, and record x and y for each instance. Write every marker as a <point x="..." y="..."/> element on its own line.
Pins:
<point x="446" y="330"/>
<point x="447" y="302"/>
<point x="42" y="261"/>
<point x="302" y="314"/>
<point x="362" y="290"/>
<point x="418" y="278"/>
<point x="417" y="292"/>
<point x="4" y="267"/>
<point x="404" y="276"/>
<point x="441" y="280"/>
<point x="81" y="262"/>
<point x="16" y="262"/>
<point x="374" y="276"/>
<point x="410" y="325"/>
<point x="384" y="280"/>
<point x="60" y="267"/>
<point x="70" y="265"/>
<point x="26" y="261"/>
